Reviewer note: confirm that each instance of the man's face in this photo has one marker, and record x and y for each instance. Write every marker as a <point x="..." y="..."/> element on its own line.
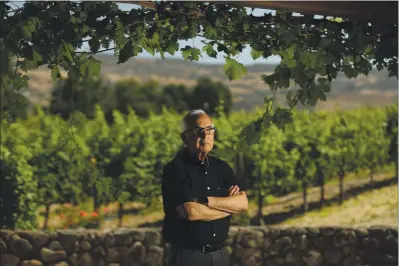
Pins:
<point x="200" y="134"/>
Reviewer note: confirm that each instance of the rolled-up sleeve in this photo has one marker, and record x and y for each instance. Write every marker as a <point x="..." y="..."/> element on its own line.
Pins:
<point x="176" y="188"/>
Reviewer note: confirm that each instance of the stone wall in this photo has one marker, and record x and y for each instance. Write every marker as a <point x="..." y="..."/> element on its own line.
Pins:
<point x="251" y="246"/>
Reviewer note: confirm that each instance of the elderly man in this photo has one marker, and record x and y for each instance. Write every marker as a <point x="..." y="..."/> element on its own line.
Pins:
<point x="200" y="193"/>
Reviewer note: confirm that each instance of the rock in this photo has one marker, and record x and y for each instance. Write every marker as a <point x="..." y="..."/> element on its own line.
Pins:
<point x="230" y="239"/>
<point x="320" y="242"/>
<point x="123" y="236"/>
<point x="390" y="245"/>
<point x="344" y="238"/>
<point x="37" y="238"/>
<point x="6" y="234"/>
<point x="85" y="245"/>
<point x="361" y="232"/>
<point x="251" y="257"/>
<point x="229" y="250"/>
<point x="49" y="255"/>
<point x="99" y="252"/>
<point x="288" y="232"/>
<point x="238" y="251"/>
<point x="333" y="255"/>
<point x="3" y="246"/>
<point x="112" y="255"/>
<point x="301" y="242"/>
<point x="109" y="241"/>
<point x="370" y="244"/>
<point x="293" y="256"/>
<point x="31" y="263"/>
<point x="313" y="258"/>
<point x="389" y="259"/>
<point x="62" y="263"/>
<point x="267" y="243"/>
<point x="67" y="238"/>
<point x="154" y="255"/>
<point x="283" y="243"/>
<point x="135" y="255"/>
<point x="55" y="245"/>
<point x="347" y="250"/>
<point x="20" y="246"/>
<point x="152" y="238"/>
<point x="138" y="235"/>
<point x="274" y="261"/>
<point x="327" y="231"/>
<point x="377" y="232"/>
<point x="351" y="261"/>
<point x="273" y="233"/>
<point x="252" y="239"/>
<point x="85" y="259"/>
<point x="9" y="260"/>
<point x="73" y="259"/>
<point x="99" y="262"/>
<point x="313" y="231"/>
<point x="96" y="238"/>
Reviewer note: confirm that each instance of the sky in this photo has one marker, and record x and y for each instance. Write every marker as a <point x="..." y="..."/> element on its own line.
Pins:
<point x="244" y="58"/>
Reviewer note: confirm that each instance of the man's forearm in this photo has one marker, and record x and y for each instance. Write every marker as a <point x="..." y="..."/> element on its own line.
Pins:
<point x="232" y="204"/>
<point x="196" y="212"/>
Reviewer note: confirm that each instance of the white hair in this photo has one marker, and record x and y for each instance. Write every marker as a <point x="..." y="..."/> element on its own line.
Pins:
<point x="192" y="113"/>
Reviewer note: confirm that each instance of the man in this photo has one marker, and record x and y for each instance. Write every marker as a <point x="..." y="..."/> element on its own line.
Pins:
<point x="200" y="193"/>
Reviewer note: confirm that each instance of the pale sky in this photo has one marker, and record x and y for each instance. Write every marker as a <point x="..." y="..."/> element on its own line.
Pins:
<point x="244" y="58"/>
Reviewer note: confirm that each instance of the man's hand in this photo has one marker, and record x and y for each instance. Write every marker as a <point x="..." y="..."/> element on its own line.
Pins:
<point x="181" y="213"/>
<point x="234" y="190"/>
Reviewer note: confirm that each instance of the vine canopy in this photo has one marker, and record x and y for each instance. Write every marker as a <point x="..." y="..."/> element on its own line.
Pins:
<point x="312" y="50"/>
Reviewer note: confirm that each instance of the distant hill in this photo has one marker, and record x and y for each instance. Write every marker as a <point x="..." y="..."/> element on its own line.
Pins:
<point x="375" y="89"/>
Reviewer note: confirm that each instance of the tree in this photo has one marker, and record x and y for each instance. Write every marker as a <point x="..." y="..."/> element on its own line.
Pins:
<point x="208" y="94"/>
<point x="177" y="97"/>
<point x="13" y="104"/>
<point x="83" y="95"/>
<point x="312" y="53"/>
<point x="143" y="98"/>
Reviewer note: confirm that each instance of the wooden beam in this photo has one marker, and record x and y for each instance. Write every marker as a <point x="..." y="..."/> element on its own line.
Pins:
<point x="385" y="12"/>
<point x="378" y="11"/>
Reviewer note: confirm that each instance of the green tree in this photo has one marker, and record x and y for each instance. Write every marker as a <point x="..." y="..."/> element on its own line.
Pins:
<point x="208" y="94"/>
<point x="142" y="98"/>
<point x="177" y="97"/>
<point x="312" y="53"/>
<point x="18" y="197"/>
<point x="70" y="96"/>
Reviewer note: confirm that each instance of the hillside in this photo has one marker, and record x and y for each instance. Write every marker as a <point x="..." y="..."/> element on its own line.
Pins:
<point x="375" y="89"/>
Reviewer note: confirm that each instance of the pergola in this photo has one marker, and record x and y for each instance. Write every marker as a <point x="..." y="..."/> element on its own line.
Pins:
<point x="384" y="12"/>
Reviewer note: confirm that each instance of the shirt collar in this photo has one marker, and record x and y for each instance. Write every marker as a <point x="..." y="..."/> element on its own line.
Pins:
<point x="194" y="159"/>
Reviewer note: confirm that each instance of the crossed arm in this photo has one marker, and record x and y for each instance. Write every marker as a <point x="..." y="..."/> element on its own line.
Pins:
<point x="218" y="207"/>
<point x="176" y="190"/>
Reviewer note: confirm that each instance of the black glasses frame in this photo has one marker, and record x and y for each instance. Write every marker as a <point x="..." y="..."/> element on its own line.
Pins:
<point x="199" y="130"/>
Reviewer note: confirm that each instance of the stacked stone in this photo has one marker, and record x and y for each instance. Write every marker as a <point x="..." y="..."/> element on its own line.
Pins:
<point x="81" y="248"/>
<point x="247" y="246"/>
<point x="313" y="246"/>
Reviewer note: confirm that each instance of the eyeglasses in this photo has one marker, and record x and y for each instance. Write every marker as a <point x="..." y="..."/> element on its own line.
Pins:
<point x="201" y="130"/>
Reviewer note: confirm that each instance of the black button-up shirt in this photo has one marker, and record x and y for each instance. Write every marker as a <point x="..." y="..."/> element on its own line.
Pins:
<point x="186" y="178"/>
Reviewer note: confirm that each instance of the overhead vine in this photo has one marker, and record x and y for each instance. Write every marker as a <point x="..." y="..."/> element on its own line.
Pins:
<point x="313" y="51"/>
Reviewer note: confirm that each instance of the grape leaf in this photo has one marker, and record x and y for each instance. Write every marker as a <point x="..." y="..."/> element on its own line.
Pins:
<point x="233" y="69"/>
<point x="190" y="53"/>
